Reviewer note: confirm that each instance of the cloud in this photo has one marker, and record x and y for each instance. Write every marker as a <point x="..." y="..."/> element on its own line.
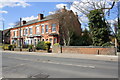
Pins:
<point x="83" y="7"/>
<point x="13" y="3"/>
<point x="52" y="12"/>
<point x="10" y="25"/>
<point x="60" y="6"/>
<point x="29" y="18"/>
<point x="3" y="11"/>
<point x="112" y="21"/>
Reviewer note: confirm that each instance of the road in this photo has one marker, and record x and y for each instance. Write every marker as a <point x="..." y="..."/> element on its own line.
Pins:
<point x="34" y="66"/>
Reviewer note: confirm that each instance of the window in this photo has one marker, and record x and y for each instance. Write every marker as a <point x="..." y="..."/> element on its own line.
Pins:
<point x="37" y="29"/>
<point x="26" y="31"/>
<point x="14" y="33"/>
<point x="42" y="28"/>
<point x="31" y="42"/>
<point x="21" y="32"/>
<point x="30" y="30"/>
<point x="55" y="40"/>
<point x="35" y="42"/>
<point x="46" y="28"/>
<point x="50" y="40"/>
<point x="28" y="41"/>
<point x="38" y="40"/>
<point x="53" y="27"/>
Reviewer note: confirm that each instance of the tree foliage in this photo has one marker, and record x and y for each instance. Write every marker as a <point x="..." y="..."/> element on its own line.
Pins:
<point x="99" y="29"/>
<point x="83" y="40"/>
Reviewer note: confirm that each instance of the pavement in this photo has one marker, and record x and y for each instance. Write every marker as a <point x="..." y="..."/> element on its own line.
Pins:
<point x="69" y="55"/>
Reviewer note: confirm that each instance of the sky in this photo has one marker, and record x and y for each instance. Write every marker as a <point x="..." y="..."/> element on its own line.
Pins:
<point x="11" y="12"/>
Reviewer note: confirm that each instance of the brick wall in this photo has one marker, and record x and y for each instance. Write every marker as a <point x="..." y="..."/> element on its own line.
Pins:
<point x="85" y="50"/>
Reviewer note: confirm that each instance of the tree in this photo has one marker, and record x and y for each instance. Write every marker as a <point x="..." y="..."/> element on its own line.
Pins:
<point x="83" y="40"/>
<point x="99" y="29"/>
<point x="118" y="30"/>
<point x="68" y="25"/>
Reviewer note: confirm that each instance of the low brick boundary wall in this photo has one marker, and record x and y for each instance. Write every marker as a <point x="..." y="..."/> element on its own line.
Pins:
<point x="85" y="50"/>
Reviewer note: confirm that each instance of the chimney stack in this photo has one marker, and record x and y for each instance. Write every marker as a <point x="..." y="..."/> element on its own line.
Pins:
<point x="76" y="14"/>
<point x="64" y="9"/>
<point x="40" y="16"/>
<point x="23" y="22"/>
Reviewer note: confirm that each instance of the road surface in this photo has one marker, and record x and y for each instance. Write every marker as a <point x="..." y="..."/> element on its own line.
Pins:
<point x="36" y="66"/>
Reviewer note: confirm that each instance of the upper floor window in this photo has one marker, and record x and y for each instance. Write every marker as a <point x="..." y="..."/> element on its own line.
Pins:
<point x="30" y="30"/>
<point x="37" y="30"/>
<point x="26" y="31"/>
<point x="14" y="33"/>
<point x="42" y="28"/>
<point x="21" y="32"/>
<point x="46" y="28"/>
<point x="53" y="27"/>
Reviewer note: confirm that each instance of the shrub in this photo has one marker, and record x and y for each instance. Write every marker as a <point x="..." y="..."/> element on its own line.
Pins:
<point x="11" y="47"/>
<point x="25" y="46"/>
<point x="31" y="48"/>
<point x="56" y="44"/>
<point x="41" y="45"/>
<point x="48" y="46"/>
<point x="8" y="47"/>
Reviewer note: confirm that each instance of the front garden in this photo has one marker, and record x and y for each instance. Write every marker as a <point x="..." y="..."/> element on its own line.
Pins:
<point x="42" y="46"/>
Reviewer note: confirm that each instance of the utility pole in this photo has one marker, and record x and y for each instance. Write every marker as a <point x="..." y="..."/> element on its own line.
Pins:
<point x="20" y="35"/>
<point x="3" y="33"/>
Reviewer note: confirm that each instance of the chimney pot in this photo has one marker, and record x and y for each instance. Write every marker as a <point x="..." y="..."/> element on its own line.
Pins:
<point x="24" y="22"/>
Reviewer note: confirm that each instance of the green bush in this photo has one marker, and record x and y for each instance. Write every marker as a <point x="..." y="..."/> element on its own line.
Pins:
<point x="8" y="47"/>
<point x="31" y="47"/>
<point x="11" y="47"/>
<point x="56" y="44"/>
<point x="41" y="45"/>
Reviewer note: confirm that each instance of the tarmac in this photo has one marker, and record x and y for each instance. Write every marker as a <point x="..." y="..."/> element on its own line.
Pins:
<point x="70" y="55"/>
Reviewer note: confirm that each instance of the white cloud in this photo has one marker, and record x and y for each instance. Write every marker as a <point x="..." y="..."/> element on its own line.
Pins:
<point x="3" y="11"/>
<point x="29" y="18"/>
<point x="60" y="6"/>
<point x="112" y="21"/>
<point x="52" y="12"/>
<point x="87" y="5"/>
<point x="11" y="25"/>
<point x="13" y="3"/>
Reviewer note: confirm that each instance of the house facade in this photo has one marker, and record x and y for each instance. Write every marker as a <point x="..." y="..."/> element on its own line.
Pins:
<point x="41" y="29"/>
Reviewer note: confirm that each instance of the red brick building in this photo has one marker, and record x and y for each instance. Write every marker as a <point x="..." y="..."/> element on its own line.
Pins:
<point x="41" y="29"/>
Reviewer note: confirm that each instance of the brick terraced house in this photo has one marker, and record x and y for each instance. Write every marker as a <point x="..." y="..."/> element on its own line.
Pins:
<point x="41" y="29"/>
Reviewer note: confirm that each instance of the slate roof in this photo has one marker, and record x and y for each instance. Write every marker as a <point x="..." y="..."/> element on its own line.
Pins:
<point x="36" y="20"/>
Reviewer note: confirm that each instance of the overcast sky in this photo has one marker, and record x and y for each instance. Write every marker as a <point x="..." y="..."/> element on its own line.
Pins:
<point x="10" y="12"/>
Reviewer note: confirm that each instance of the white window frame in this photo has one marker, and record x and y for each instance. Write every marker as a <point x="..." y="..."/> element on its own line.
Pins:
<point x="53" y="27"/>
<point x="37" y="29"/>
<point x="46" y="28"/>
<point x="42" y="28"/>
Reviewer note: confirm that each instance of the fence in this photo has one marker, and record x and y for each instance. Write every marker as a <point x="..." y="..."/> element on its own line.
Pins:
<point x="85" y="50"/>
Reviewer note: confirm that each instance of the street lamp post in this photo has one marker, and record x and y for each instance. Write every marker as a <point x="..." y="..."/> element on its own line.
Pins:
<point x="20" y="35"/>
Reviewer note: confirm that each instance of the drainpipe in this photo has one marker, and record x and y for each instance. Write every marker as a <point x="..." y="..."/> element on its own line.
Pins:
<point x="20" y="35"/>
